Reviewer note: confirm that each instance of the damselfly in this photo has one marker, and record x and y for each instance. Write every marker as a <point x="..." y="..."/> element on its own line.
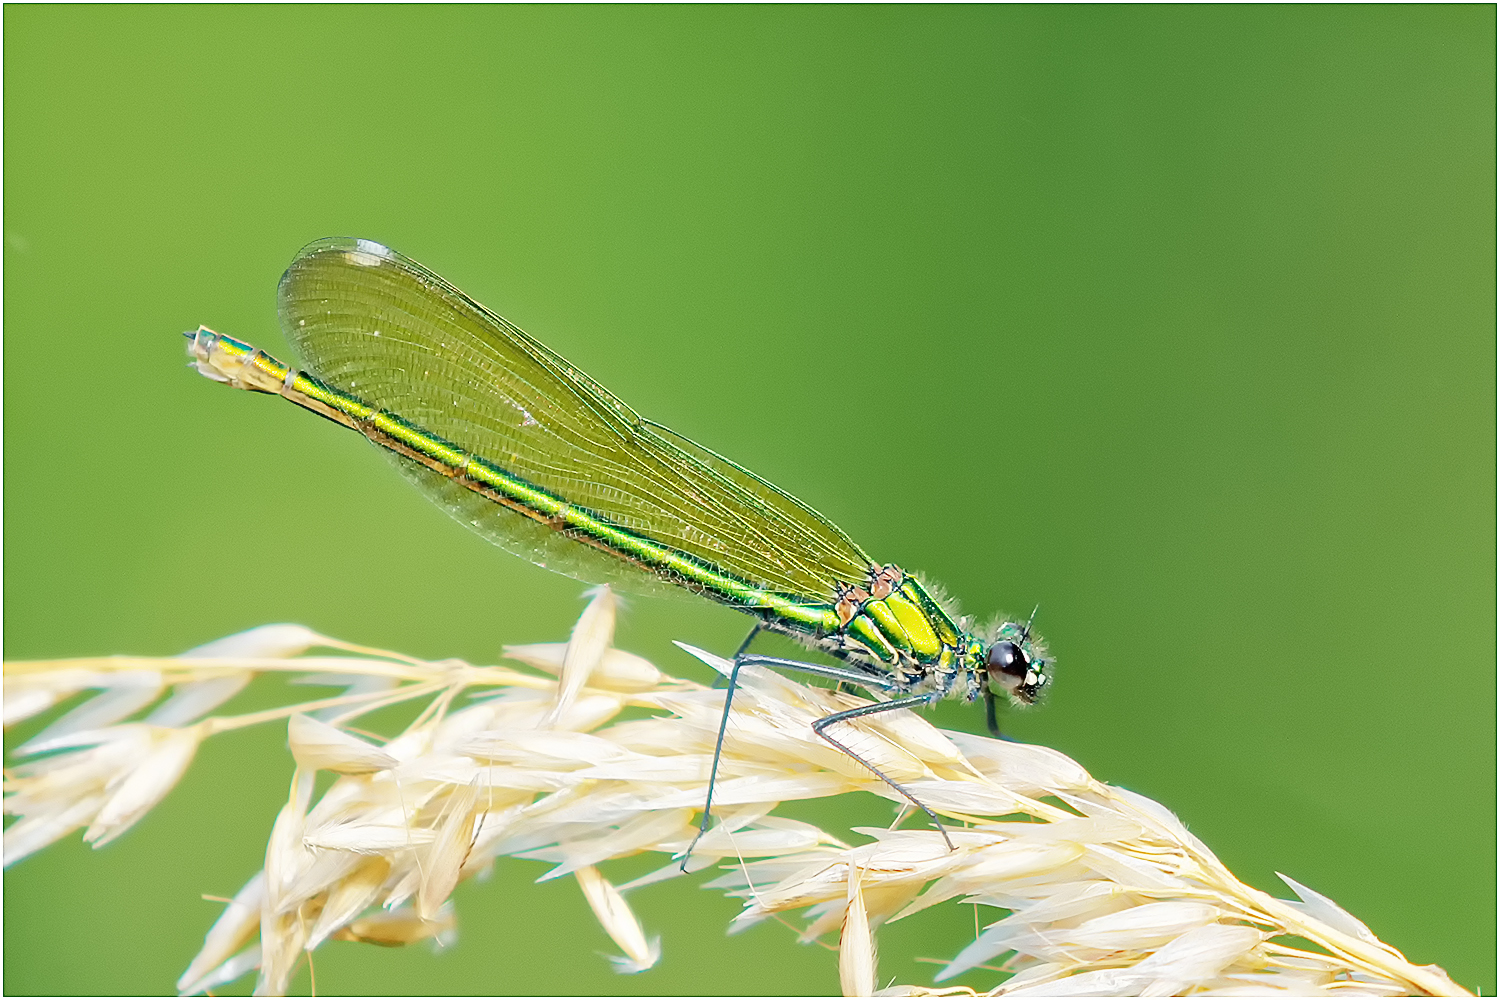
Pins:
<point x="540" y="459"/>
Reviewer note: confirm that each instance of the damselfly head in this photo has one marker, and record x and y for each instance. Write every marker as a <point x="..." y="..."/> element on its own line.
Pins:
<point x="1016" y="665"/>
<point x="1013" y="672"/>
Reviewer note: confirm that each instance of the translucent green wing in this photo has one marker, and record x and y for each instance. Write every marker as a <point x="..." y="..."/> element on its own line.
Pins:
<point x="384" y="328"/>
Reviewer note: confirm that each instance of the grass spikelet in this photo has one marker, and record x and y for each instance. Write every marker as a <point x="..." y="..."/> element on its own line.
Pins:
<point x="857" y="963"/>
<point x="619" y="922"/>
<point x="316" y="745"/>
<point x="1093" y="890"/>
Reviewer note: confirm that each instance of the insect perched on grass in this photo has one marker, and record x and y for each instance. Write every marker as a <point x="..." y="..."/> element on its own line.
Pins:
<point x="540" y="459"/>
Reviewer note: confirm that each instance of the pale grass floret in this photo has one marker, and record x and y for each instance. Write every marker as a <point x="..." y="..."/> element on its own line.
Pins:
<point x="1098" y="891"/>
<point x="618" y="921"/>
<point x="857" y="961"/>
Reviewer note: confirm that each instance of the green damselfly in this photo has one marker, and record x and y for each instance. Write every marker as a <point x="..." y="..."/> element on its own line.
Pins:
<point x="540" y="459"/>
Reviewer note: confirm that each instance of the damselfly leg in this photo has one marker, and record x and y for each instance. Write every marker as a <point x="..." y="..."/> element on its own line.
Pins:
<point x="841" y="674"/>
<point x="713" y="771"/>
<point x="911" y="701"/>
<point x="989" y="714"/>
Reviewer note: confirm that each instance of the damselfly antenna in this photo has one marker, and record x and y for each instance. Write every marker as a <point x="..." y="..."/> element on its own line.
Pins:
<point x="1026" y="632"/>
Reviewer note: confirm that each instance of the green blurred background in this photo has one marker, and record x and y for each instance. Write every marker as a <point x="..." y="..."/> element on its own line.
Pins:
<point x="1176" y="320"/>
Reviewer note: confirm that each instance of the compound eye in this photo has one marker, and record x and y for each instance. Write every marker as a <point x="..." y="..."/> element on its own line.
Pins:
<point x="1006" y="658"/>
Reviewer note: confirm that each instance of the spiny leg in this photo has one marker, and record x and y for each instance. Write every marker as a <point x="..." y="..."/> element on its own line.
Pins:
<point x="872" y="682"/>
<point x="743" y="659"/>
<point x="989" y="714"/>
<point x="713" y="772"/>
<point x="912" y="701"/>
